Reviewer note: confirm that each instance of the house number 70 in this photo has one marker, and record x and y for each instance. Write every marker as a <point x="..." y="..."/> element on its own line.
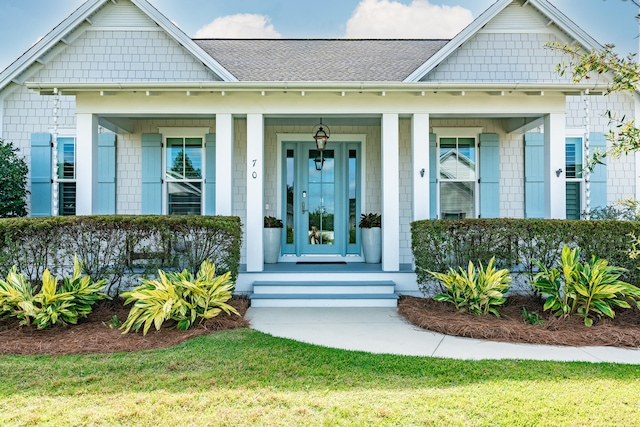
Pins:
<point x="254" y="175"/>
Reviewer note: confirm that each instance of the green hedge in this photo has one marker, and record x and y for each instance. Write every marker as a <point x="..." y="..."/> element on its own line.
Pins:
<point x="440" y="244"/>
<point x="117" y="246"/>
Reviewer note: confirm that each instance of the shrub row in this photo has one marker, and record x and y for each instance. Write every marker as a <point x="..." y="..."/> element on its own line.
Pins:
<point x="442" y="244"/>
<point x="116" y="248"/>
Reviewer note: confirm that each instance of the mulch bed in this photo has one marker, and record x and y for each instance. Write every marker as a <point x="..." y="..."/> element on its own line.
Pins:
<point x="622" y="331"/>
<point x="94" y="335"/>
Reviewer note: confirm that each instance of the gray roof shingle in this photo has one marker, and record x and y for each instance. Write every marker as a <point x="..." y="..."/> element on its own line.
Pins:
<point x="316" y="60"/>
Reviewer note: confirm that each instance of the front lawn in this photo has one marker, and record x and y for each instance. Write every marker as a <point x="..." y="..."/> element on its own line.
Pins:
<point x="244" y="377"/>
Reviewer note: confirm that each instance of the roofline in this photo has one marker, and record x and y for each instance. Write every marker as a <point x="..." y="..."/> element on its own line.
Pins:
<point x="83" y="13"/>
<point x="543" y="6"/>
<point x="212" y="86"/>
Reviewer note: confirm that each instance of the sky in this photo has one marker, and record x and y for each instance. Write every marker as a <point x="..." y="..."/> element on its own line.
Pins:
<point x="24" y="22"/>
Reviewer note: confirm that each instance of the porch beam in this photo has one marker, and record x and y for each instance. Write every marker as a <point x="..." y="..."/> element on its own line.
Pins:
<point x="86" y="164"/>
<point x="224" y="164"/>
<point x="524" y="124"/>
<point x="420" y="170"/>
<point x="554" y="166"/>
<point x="255" y="192"/>
<point x="390" y="193"/>
<point x="117" y="124"/>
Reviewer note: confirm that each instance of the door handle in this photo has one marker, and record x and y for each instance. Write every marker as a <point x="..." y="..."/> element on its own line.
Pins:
<point x="304" y="196"/>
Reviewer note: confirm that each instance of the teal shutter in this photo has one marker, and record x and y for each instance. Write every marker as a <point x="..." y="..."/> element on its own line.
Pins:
<point x="433" y="176"/>
<point x="41" y="174"/>
<point x="106" y="174"/>
<point x="210" y="178"/>
<point x="489" y="175"/>
<point x="599" y="174"/>
<point x="534" y="175"/>
<point x="152" y="173"/>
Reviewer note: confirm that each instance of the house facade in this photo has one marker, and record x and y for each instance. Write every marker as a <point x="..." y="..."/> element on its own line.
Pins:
<point x="119" y="112"/>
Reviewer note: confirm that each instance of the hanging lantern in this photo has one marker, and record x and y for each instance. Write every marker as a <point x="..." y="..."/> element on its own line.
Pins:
<point x="321" y="135"/>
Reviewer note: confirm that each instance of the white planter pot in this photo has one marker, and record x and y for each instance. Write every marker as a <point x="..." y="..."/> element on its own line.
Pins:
<point x="271" y="244"/>
<point x="371" y="244"/>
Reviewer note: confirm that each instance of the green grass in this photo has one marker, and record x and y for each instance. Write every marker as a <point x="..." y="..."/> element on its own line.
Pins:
<point x="245" y="377"/>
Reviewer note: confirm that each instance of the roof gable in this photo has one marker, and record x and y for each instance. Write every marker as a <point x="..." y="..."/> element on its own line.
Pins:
<point x="57" y="38"/>
<point x="497" y="17"/>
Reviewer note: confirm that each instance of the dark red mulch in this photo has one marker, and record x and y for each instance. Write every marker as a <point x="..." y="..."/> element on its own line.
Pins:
<point x="622" y="331"/>
<point x="93" y="334"/>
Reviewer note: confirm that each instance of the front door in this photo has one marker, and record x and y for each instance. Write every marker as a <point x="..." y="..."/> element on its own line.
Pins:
<point x="322" y="203"/>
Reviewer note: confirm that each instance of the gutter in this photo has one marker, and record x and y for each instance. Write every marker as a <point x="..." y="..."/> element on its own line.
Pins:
<point x="216" y="86"/>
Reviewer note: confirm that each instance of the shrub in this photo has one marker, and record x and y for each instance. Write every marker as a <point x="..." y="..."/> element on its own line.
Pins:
<point x="588" y="290"/>
<point x="441" y="244"/>
<point x="13" y="182"/>
<point x="179" y="297"/>
<point x="54" y="304"/>
<point x="474" y="291"/>
<point x="117" y="247"/>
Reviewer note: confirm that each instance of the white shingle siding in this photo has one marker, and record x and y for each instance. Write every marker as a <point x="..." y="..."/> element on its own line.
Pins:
<point x="499" y="57"/>
<point x="121" y="56"/>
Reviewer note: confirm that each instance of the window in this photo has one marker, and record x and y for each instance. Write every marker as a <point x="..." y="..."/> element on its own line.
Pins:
<point x="67" y="175"/>
<point x="574" y="176"/>
<point x="184" y="176"/>
<point x="458" y="177"/>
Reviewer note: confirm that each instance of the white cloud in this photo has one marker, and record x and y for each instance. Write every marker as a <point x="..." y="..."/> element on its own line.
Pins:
<point x="420" y="20"/>
<point x="241" y="26"/>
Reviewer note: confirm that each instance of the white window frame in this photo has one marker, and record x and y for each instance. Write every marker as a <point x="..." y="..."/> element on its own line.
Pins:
<point x="183" y="132"/>
<point x="458" y="132"/>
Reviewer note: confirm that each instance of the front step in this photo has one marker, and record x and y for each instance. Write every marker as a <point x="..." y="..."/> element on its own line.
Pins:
<point x="324" y="294"/>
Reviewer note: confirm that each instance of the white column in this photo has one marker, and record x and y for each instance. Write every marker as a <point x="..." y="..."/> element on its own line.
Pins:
<point x="390" y="193"/>
<point x="420" y="163"/>
<point x="255" y="192"/>
<point x="224" y="164"/>
<point x="554" y="161"/>
<point x="86" y="164"/>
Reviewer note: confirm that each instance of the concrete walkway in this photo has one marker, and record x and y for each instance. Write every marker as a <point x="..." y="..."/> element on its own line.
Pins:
<point x="383" y="330"/>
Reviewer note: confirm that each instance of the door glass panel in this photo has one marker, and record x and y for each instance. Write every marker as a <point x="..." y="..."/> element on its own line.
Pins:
<point x="573" y="151"/>
<point x="289" y="220"/>
<point x="353" y="187"/>
<point x="321" y="199"/>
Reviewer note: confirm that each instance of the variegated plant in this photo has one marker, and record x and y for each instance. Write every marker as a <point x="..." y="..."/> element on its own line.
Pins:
<point x="589" y="290"/>
<point x="477" y="291"/>
<point x="180" y="297"/>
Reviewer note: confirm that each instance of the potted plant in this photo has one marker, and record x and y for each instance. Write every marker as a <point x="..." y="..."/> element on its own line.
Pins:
<point x="370" y="225"/>
<point x="271" y="239"/>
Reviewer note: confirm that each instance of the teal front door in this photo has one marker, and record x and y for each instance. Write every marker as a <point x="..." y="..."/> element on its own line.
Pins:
<point x="323" y="199"/>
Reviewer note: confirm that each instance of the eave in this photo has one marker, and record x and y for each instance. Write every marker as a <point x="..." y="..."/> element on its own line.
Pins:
<point x="342" y="88"/>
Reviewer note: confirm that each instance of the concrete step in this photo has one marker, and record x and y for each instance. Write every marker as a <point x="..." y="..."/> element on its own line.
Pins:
<point x="324" y="287"/>
<point x="324" y="300"/>
<point x="371" y="293"/>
